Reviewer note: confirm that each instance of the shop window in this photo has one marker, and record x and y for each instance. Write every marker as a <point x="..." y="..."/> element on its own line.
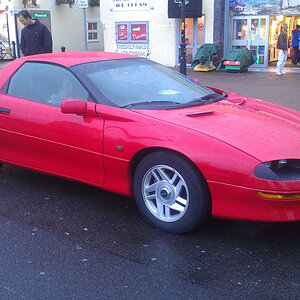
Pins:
<point x="93" y="31"/>
<point x="132" y="32"/>
<point x="240" y="28"/>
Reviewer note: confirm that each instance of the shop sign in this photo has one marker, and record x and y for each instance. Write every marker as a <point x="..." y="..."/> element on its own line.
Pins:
<point x="141" y="50"/>
<point x="132" y="32"/>
<point x="39" y="15"/>
<point x="200" y="26"/>
<point x="138" y="32"/>
<point x="267" y="7"/>
<point x="43" y="16"/>
<point x="192" y="9"/>
<point x="125" y="5"/>
<point x="122" y="32"/>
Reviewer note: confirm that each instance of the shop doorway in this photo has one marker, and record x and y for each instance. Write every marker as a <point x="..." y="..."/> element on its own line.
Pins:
<point x="194" y="34"/>
<point x="252" y="32"/>
<point x="276" y="23"/>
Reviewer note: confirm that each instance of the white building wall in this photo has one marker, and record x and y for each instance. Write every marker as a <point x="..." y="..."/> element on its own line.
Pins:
<point x="208" y="11"/>
<point x="67" y="25"/>
<point x="163" y="36"/>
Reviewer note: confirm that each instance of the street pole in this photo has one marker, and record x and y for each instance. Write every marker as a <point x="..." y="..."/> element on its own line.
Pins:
<point x="226" y="26"/>
<point x="85" y="29"/>
<point x="7" y="24"/>
<point x="8" y="35"/>
<point x="183" y="44"/>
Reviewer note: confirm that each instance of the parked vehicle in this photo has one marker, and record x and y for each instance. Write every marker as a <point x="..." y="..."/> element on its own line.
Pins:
<point x="134" y="127"/>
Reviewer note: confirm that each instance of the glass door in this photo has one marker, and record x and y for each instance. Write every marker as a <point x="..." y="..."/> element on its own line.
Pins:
<point x="194" y="35"/>
<point x="252" y="32"/>
<point x="259" y="39"/>
<point x="240" y="32"/>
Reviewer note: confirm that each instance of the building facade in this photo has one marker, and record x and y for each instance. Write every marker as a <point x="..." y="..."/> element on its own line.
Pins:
<point x="66" y="23"/>
<point x="256" y="24"/>
<point x="142" y="27"/>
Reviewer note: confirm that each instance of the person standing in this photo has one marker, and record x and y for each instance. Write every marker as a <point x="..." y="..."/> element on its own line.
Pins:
<point x="282" y="45"/>
<point x="35" y="37"/>
<point x="295" y="44"/>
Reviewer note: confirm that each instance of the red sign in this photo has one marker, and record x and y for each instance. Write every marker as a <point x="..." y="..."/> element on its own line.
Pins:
<point x="122" y="32"/>
<point x="138" y="32"/>
<point x="200" y="26"/>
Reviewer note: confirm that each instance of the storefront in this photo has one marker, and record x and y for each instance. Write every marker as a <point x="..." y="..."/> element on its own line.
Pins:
<point x="194" y="34"/>
<point x="256" y="24"/>
<point x="144" y="28"/>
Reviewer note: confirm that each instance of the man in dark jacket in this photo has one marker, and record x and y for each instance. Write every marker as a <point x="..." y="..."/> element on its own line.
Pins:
<point x="282" y="45"/>
<point x="35" y="37"/>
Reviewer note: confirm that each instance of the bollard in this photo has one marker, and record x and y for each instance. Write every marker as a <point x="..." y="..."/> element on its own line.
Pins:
<point x="63" y="49"/>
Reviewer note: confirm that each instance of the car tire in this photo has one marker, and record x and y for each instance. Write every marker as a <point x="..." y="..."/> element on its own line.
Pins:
<point x="171" y="193"/>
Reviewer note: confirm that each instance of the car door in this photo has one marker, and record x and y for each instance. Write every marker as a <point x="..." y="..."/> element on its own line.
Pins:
<point x="36" y="134"/>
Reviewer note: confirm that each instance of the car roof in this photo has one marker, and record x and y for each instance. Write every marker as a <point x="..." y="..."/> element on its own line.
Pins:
<point x="74" y="58"/>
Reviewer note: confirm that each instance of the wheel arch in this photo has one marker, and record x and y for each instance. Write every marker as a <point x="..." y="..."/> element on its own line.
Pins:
<point x="139" y="156"/>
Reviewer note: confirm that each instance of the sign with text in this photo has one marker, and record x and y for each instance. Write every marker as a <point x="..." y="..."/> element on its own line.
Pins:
<point x="43" y="16"/>
<point x="39" y="15"/>
<point x="122" y="5"/>
<point x="138" y="32"/>
<point x="83" y="3"/>
<point x="141" y="50"/>
<point x="267" y="7"/>
<point x="192" y="9"/>
<point x="122" y="32"/>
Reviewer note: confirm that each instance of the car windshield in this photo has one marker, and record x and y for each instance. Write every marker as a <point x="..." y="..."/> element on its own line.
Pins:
<point x="141" y="83"/>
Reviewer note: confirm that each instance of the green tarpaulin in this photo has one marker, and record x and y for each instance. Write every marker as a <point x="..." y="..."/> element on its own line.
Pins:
<point x="243" y="55"/>
<point x="204" y="54"/>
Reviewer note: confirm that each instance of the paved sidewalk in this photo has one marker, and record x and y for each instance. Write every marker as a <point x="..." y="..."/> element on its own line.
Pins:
<point x="3" y="63"/>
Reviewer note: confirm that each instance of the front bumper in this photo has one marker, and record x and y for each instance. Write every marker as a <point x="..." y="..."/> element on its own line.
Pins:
<point x="236" y="202"/>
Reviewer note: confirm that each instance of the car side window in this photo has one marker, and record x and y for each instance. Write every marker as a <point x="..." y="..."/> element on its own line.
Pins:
<point x="46" y="83"/>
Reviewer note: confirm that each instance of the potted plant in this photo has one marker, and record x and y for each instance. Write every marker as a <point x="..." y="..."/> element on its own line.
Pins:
<point x="94" y="3"/>
<point x="70" y="2"/>
<point x="25" y="2"/>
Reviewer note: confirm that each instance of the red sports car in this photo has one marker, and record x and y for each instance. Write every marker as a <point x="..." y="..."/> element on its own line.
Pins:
<point x="135" y="127"/>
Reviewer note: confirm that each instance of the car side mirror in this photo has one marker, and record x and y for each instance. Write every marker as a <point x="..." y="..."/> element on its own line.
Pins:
<point x="73" y="106"/>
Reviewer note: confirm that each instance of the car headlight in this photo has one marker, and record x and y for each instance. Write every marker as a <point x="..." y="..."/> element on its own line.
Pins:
<point x="279" y="170"/>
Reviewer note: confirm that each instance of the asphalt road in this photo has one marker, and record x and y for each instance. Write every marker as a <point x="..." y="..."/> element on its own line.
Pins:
<point x="65" y="240"/>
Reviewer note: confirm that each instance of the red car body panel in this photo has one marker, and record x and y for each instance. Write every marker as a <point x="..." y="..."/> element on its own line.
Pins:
<point x="231" y="120"/>
<point x="56" y="143"/>
<point x="103" y="147"/>
<point x="242" y="203"/>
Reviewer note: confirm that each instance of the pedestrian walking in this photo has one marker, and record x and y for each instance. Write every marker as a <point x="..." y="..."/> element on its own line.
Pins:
<point x="35" y="37"/>
<point x="282" y="45"/>
<point x="295" y="44"/>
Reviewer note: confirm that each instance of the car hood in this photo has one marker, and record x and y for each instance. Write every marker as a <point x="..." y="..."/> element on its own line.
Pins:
<point x="260" y="129"/>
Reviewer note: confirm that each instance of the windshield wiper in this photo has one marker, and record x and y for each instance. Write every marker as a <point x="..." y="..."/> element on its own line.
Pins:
<point x="210" y="98"/>
<point x="215" y="96"/>
<point x="149" y="102"/>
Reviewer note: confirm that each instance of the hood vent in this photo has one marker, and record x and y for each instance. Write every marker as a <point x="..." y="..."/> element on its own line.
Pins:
<point x="201" y="113"/>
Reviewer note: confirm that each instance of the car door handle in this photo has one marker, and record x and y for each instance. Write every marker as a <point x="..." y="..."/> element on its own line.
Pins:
<point x="4" y="110"/>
